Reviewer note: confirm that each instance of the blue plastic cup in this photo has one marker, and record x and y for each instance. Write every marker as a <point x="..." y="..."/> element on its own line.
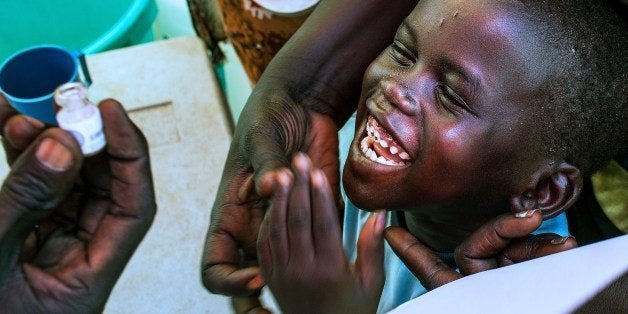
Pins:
<point x="29" y="78"/>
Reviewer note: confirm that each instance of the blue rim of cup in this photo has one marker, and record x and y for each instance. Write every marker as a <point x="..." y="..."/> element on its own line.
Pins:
<point x="72" y="53"/>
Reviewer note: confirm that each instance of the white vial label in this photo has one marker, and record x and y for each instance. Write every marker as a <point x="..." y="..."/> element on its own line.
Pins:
<point x="87" y="132"/>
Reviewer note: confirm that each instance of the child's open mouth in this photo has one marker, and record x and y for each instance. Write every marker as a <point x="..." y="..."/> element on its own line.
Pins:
<point x="380" y="147"/>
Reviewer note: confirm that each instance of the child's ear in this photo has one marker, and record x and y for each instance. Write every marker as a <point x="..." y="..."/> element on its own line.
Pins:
<point x="553" y="188"/>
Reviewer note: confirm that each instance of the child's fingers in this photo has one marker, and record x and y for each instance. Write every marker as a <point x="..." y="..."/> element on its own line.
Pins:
<point x="249" y="305"/>
<point x="325" y="225"/>
<point x="299" y="212"/>
<point x="277" y="226"/>
<point x="370" y="260"/>
<point x="422" y="262"/>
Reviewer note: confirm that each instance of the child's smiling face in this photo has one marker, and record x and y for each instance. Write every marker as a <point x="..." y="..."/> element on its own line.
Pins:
<point x="448" y="112"/>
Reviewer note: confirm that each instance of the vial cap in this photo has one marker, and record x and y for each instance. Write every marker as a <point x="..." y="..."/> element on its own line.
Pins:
<point x="71" y="94"/>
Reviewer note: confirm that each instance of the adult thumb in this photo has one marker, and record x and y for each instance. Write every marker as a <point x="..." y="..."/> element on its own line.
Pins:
<point x="370" y="259"/>
<point x="38" y="182"/>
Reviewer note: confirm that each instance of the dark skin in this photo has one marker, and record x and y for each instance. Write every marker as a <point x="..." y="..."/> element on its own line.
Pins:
<point x="66" y="242"/>
<point x="304" y="96"/>
<point x="456" y="94"/>
<point x="273" y="127"/>
<point x="301" y="253"/>
<point x="304" y="263"/>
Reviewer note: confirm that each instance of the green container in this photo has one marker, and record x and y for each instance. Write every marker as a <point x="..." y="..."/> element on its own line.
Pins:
<point x="88" y="25"/>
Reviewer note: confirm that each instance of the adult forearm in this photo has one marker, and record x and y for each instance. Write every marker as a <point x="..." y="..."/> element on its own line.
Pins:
<point x="321" y="66"/>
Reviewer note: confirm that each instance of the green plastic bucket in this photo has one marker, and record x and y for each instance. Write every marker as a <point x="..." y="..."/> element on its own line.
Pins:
<point x="87" y="25"/>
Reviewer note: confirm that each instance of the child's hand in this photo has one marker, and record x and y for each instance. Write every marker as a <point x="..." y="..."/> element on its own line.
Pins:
<point x="500" y="242"/>
<point x="301" y="254"/>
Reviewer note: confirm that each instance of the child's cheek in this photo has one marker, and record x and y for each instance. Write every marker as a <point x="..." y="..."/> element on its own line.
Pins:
<point x="461" y="148"/>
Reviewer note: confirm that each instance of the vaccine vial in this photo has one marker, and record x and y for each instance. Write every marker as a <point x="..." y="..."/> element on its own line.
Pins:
<point x="80" y="117"/>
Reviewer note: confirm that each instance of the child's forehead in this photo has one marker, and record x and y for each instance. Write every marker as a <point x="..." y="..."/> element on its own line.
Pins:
<point x="497" y="15"/>
<point x="488" y="35"/>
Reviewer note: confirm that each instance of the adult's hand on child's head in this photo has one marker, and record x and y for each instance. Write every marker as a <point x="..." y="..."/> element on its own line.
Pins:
<point x="503" y="241"/>
<point x="301" y="253"/>
<point x="269" y="132"/>
<point x="69" y="225"/>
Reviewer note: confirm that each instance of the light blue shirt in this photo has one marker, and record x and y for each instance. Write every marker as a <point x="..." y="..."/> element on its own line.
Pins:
<point x="401" y="285"/>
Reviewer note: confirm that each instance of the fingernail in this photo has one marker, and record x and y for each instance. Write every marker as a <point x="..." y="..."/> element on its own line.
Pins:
<point x="256" y="283"/>
<point x="301" y="160"/>
<point x="54" y="155"/>
<point x="34" y="122"/>
<point x="526" y="214"/>
<point x="560" y="241"/>
<point x="317" y="178"/>
<point x="283" y="177"/>
<point x="380" y="221"/>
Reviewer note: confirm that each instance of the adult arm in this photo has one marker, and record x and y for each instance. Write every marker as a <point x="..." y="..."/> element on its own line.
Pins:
<point x="306" y="92"/>
<point x="322" y="65"/>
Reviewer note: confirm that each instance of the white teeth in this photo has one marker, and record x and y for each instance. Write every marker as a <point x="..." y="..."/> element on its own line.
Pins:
<point x="371" y="154"/>
<point x="373" y="135"/>
<point x="364" y="145"/>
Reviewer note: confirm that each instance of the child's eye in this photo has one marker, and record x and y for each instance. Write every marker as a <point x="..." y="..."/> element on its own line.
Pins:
<point x="451" y="101"/>
<point x="400" y="54"/>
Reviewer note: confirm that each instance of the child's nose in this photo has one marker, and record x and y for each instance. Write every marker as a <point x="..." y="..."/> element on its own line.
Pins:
<point x="400" y="96"/>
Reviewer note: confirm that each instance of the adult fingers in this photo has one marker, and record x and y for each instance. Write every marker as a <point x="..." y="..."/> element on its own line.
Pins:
<point x="232" y="280"/>
<point x="533" y="246"/>
<point x="221" y="271"/>
<point x="370" y="258"/>
<point x="323" y="150"/>
<point x="422" y="262"/>
<point x="300" y="244"/>
<point x="264" y="253"/>
<point x="248" y="305"/>
<point x="6" y="111"/>
<point x="267" y="156"/>
<point x="325" y="225"/>
<point x="38" y="182"/>
<point x="18" y="132"/>
<point x="132" y="206"/>
<point x="273" y="239"/>
<point x="481" y="249"/>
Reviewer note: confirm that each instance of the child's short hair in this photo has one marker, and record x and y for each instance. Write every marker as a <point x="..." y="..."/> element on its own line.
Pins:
<point x="587" y="98"/>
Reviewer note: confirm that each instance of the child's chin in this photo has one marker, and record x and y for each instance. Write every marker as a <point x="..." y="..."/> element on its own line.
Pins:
<point x="364" y="199"/>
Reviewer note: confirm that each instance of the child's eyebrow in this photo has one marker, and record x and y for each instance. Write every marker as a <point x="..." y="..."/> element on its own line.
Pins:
<point x="407" y="27"/>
